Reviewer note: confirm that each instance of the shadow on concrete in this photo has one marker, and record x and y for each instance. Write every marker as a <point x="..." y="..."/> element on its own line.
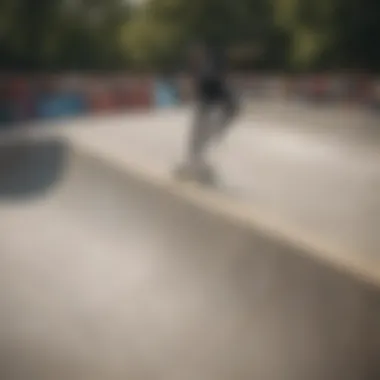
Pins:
<point x="30" y="168"/>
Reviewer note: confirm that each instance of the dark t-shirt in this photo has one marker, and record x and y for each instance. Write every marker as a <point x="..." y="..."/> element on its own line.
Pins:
<point x="210" y="73"/>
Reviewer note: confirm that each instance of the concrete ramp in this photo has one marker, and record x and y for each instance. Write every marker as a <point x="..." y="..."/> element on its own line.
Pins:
<point x="107" y="274"/>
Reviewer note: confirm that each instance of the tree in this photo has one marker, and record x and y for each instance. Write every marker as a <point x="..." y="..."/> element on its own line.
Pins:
<point x="161" y="29"/>
<point x="111" y="34"/>
<point x="53" y="34"/>
<point x="310" y="26"/>
<point x="357" y="34"/>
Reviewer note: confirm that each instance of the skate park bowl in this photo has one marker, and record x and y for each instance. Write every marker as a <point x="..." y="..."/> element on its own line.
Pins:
<point x="108" y="274"/>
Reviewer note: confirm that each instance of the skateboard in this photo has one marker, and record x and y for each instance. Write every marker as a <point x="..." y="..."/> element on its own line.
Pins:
<point x="202" y="174"/>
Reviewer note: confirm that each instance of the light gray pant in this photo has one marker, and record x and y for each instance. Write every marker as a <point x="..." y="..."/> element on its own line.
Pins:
<point x="204" y="130"/>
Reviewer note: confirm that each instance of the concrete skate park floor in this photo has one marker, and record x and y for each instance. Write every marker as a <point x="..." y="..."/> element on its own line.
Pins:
<point x="316" y="182"/>
<point x="111" y="270"/>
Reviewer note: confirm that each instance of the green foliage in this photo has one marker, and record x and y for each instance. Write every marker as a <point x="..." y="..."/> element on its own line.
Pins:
<point x="113" y="34"/>
<point x="309" y="24"/>
<point x="62" y="34"/>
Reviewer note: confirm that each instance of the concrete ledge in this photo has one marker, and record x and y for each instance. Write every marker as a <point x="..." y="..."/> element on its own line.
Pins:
<point x="235" y="212"/>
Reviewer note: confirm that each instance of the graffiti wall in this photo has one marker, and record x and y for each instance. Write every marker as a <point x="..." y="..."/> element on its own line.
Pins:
<point x="25" y="98"/>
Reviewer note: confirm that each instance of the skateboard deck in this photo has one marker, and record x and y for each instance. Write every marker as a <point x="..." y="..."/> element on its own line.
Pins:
<point x="201" y="174"/>
<point x="206" y="178"/>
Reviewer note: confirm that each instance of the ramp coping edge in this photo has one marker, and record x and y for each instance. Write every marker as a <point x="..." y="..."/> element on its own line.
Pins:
<point x="236" y="212"/>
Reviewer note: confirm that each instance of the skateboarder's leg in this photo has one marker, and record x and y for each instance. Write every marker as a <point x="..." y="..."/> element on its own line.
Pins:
<point x="229" y="110"/>
<point x="200" y="131"/>
<point x="195" y="167"/>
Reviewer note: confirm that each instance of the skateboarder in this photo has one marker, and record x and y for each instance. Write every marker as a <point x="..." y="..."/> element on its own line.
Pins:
<point x="208" y="69"/>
